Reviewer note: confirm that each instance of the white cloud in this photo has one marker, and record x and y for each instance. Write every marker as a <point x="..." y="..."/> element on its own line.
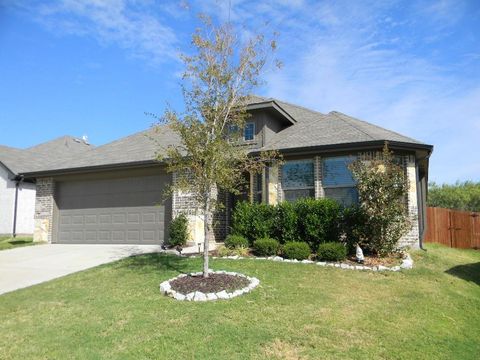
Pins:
<point x="127" y="24"/>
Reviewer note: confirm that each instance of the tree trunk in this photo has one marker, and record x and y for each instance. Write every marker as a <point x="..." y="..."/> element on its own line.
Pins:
<point x="206" y="210"/>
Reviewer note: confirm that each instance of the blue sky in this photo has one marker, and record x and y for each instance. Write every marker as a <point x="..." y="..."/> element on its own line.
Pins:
<point x="95" y="67"/>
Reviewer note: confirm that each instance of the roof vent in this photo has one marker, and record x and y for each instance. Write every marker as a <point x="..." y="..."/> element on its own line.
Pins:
<point x="85" y="139"/>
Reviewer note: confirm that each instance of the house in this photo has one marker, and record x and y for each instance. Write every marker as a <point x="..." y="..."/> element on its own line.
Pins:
<point x="17" y="193"/>
<point x="114" y="193"/>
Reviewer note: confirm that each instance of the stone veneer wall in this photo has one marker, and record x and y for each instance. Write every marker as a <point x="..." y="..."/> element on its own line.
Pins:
<point x="186" y="204"/>
<point x="412" y="238"/>
<point x="44" y="205"/>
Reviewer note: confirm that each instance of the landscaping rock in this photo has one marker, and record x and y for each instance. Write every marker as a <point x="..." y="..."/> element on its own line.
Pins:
<point x="321" y="263"/>
<point x="212" y="296"/>
<point x="189" y="296"/>
<point x="307" y="262"/>
<point x="223" y="295"/>
<point x="165" y="287"/>
<point x="382" y="268"/>
<point x="277" y="258"/>
<point x="199" y="296"/>
<point x="179" y="296"/>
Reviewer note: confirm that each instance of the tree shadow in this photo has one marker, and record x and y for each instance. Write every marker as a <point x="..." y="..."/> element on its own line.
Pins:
<point x="146" y="263"/>
<point x="468" y="272"/>
<point x="19" y="242"/>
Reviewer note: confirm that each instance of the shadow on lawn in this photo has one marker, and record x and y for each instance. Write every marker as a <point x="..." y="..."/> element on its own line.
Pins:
<point x="19" y="242"/>
<point x="469" y="272"/>
<point x="157" y="262"/>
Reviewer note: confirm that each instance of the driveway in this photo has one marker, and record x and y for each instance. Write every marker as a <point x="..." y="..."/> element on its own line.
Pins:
<point x="27" y="266"/>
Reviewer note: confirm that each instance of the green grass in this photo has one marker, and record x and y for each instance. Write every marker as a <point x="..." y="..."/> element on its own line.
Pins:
<point x="299" y="311"/>
<point x="7" y="242"/>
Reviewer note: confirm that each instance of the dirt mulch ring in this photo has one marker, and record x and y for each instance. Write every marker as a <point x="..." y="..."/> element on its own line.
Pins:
<point x="214" y="283"/>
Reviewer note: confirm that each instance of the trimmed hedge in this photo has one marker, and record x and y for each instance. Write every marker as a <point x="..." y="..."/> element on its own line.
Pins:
<point x="266" y="247"/>
<point x="332" y="251"/>
<point x="296" y="250"/>
<point x="253" y="221"/>
<point x="236" y="241"/>
<point x="308" y="220"/>
<point x="178" y="231"/>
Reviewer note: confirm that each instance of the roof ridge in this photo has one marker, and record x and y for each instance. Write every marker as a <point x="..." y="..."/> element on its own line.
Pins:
<point x="336" y="114"/>
<point x="299" y="107"/>
<point x="377" y="126"/>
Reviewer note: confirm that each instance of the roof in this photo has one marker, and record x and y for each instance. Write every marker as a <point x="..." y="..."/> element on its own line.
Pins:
<point x="139" y="147"/>
<point x="316" y="129"/>
<point x="43" y="155"/>
<point x="308" y="129"/>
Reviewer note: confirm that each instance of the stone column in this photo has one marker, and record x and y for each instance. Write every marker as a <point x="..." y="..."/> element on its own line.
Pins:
<point x="412" y="238"/>
<point x="44" y="205"/>
<point x="317" y="171"/>
<point x="273" y="184"/>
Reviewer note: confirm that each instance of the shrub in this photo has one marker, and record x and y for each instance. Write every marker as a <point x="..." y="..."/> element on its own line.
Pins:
<point x="332" y="251"/>
<point x="286" y="223"/>
<point x="253" y="221"/>
<point x="266" y="247"/>
<point x="239" y="251"/>
<point x="236" y="241"/>
<point x="178" y="230"/>
<point x="353" y="228"/>
<point x="318" y="220"/>
<point x="296" y="250"/>
<point x="385" y="212"/>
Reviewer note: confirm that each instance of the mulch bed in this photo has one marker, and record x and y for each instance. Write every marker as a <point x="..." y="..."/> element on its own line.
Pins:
<point x="391" y="260"/>
<point x="214" y="283"/>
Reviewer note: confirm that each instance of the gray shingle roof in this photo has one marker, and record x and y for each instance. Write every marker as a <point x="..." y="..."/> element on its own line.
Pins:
<point x="139" y="147"/>
<point x="317" y="129"/>
<point x="311" y="129"/>
<point x="41" y="156"/>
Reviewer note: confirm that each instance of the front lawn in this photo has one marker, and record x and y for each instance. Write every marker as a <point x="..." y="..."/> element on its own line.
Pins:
<point x="299" y="311"/>
<point x="8" y="242"/>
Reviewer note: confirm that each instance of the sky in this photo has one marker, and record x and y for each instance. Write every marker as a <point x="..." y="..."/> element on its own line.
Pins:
<point x="91" y="67"/>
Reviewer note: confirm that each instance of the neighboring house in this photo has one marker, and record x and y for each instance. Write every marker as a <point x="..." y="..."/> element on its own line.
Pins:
<point x="115" y="193"/>
<point x="17" y="194"/>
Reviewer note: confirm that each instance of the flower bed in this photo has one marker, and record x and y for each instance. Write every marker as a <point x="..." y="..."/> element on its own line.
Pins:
<point x="220" y="285"/>
<point x="406" y="263"/>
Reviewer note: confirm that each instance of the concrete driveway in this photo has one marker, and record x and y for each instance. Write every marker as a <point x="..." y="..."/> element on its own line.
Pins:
<point x="27" y="266"/>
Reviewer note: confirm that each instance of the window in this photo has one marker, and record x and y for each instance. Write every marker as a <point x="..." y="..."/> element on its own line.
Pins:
<point x="297" y="180"/>
<point x="249" y="131"/>
<point x="338" y="182"/>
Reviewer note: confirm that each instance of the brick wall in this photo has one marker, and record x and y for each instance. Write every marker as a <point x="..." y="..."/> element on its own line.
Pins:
<point x="44" y="206"/>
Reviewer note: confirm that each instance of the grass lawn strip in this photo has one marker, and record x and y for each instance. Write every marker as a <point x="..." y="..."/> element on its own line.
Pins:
<point x="115" y="311"/>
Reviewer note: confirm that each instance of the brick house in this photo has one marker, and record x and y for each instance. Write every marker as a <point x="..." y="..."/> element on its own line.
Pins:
<point x="115" y="193"/>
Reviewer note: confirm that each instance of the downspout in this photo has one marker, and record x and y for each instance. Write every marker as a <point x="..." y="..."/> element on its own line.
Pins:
<point x="18" y="180"/>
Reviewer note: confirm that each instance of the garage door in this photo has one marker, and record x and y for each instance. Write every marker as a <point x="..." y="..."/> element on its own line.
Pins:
<point x="112" y="211"/>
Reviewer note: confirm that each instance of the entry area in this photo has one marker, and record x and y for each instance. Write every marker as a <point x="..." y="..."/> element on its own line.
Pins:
<point x="112" y="209"/>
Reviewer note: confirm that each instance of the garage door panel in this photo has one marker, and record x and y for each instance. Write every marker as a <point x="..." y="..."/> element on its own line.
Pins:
<point x="112" y="211"/>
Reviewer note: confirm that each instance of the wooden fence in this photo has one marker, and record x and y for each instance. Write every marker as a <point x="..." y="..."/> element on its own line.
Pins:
<point x="458" y="229"/>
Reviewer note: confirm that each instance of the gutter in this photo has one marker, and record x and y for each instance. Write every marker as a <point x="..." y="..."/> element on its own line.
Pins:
<point x="18" y="180"/>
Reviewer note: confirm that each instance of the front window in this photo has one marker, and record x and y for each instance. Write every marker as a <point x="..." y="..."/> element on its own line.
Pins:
<point x="298" y="180"/>
<point x="338" y="182"/>
<point x="249" y="131"/>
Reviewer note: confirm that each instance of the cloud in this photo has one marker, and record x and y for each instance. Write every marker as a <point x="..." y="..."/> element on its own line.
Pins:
<point x="131" y="25"/>
<point x="391" y="63"/>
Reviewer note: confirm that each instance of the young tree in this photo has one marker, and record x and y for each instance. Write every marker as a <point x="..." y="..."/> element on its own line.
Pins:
<point x="382" y="187"/>
<point x="218" y="79"/>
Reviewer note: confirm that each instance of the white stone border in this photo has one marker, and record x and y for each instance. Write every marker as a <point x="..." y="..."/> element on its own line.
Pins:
<point x="407" y="263"/>
<point x="166" y="289"/>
